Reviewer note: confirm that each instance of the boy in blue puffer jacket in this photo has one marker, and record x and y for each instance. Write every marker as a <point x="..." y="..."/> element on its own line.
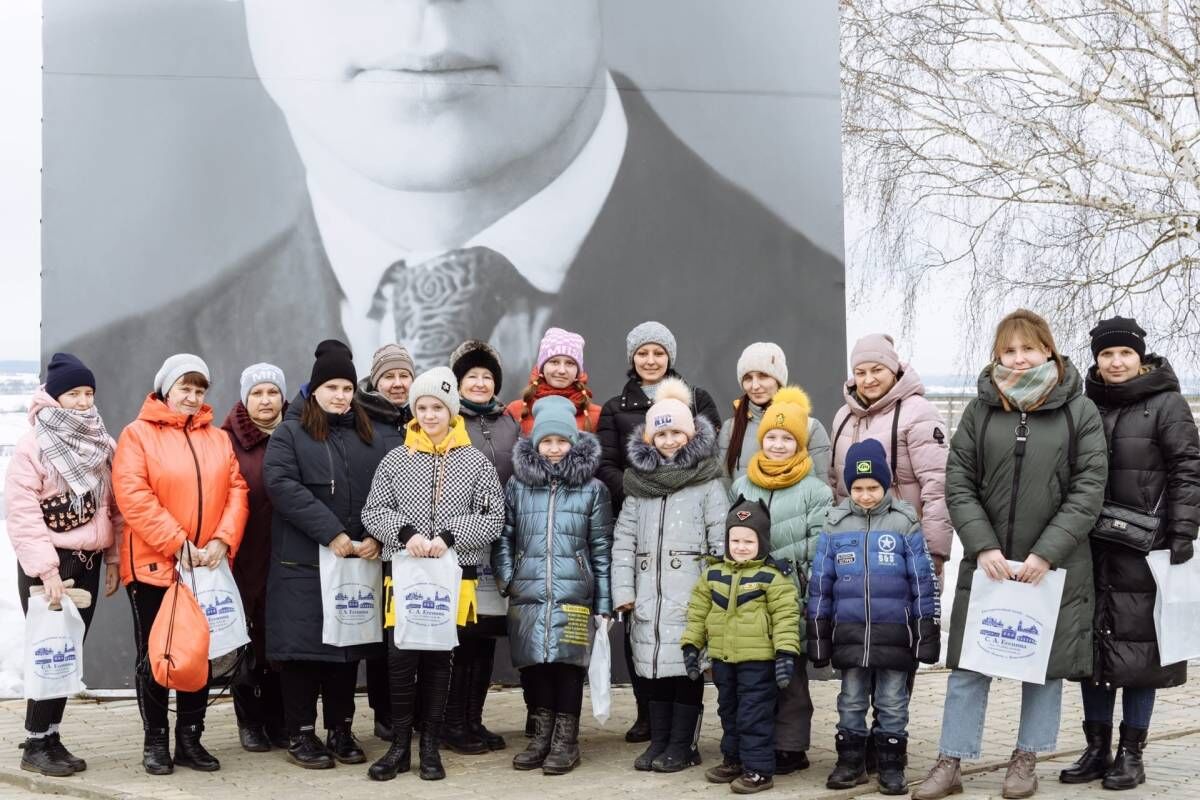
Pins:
<point x="873" y="610"/>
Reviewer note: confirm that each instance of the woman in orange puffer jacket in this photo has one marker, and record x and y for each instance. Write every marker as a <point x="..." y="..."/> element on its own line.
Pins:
<point x="180" y="490"/>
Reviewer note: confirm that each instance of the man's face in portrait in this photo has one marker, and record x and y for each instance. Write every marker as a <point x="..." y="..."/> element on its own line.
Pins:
<point x="405" y="92"/>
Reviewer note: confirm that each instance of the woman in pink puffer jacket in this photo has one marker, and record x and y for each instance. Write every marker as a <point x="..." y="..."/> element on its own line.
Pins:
<point x="63" y="523"/>
<point x="885" y="400"/>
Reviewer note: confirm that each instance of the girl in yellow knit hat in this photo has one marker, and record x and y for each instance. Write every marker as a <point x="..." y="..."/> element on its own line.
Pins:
<point x="781" y="475"/>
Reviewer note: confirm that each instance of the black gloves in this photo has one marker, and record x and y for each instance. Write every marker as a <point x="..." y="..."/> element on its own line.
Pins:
<point x="691" y="661"/>
<point x="785" y="669"/>
<point x="1181" y="550"/>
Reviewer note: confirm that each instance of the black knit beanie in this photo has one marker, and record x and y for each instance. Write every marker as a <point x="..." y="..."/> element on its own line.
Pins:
<point x="66" y="372"/>
<point x="1118" y="332"/>
<point x="333" y="360"/>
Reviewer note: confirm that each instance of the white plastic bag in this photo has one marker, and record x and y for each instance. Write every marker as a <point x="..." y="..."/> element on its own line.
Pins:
<point x="351" y="600"/>
<point x="1010" y="626"/>
<point x="488" y="602"/>
<point x="53" y="650"/>
<point x="426" y="600"/>
<point x="1176" y="607"/>
<point x="219" y="599"/>
<point x="600" y="672"/>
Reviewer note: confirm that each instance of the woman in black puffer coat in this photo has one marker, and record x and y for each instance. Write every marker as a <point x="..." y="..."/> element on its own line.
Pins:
<point x="1154" y="467"/>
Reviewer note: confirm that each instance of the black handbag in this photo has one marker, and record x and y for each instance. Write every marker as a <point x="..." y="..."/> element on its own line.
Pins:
<point x="1127" y="526"/>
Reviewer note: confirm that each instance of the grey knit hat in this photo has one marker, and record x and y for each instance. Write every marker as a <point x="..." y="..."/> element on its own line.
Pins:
<point x="438" y="382"/>
<point x="389" y="357"/>
<point x="175" y="368"/>
<point x="650" y="333"/>
<point x="263" y="372"/>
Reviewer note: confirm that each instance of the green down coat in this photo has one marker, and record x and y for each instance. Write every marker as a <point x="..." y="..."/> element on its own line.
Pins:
<point x="744" y="612"/>
<point x="1049" y="509"/>
<point x="797" y="517"/>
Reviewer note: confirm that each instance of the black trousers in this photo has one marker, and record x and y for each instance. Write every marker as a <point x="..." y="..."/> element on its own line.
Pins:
<point x="558" y="687"/>
<point x="145" y="600"/>
<point x="303" y="681"/>
<point x="258" y="699"/>
<point x="680" y="689"/>
<point x="418" y="672"/>
<point x="378" y="693"/>
<point x="85" y="569"/>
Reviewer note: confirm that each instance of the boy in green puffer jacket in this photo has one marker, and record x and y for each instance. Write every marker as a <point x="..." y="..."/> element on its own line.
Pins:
<point x="745" y="610"/>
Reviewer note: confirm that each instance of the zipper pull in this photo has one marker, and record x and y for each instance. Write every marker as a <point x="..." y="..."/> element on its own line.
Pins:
<point x="1022" y="432"/>
<point x="332" y="487"/>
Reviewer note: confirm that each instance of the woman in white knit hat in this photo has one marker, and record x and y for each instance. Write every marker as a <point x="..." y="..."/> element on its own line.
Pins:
<point x="434" y="493"/>
<point x="762" y="369"/>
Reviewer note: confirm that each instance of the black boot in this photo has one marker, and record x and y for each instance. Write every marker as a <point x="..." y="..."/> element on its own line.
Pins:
<point x="38" y="758"/>
<point x="851" y="767"/>
<point x="431" y="760"/>
<point x="383" y="728"/>
<point x="61" y="753"/>
<point x="890" y="752"/>
<point x="190" y="753"/>
<point x="564" y="746"/>
<point x="1094" y="762"/>
<point x="254" y="739"/>
<point x="659" y="716"/>
<point x="277" y="735"/>
<point x="345" y="748"/>
<point x="534" y="754"/>
<point x="640" y="730"/>
<point x="681" y="750"/>
<point x="1127" y="771"/>
<point x="870" y="760"/>
<point x="456" y="735"/>
<point x="397" y="759"/>
<point x="789" y="761"/>
<point x="156" y="752"/>
<point x="306" y="750"/>
<point x="477" y="691"/>
<point x="530" y="723"/>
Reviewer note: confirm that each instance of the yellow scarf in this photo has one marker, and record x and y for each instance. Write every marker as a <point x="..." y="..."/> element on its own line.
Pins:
<point x="417" y="439"/>
<point x="773" y="475"/>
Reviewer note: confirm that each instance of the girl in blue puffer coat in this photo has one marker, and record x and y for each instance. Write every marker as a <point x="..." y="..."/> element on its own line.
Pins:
<point x="873" y="610"/>
<point x="552" y="562"/>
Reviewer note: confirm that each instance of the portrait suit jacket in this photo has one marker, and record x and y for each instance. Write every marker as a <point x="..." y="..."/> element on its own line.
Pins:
<point x="674" y="241"/>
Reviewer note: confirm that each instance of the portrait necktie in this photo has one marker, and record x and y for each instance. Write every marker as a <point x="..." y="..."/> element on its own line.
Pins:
<point x="439" y="303"/>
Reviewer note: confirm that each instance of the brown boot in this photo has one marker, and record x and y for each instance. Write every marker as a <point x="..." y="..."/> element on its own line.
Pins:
<point x="943" y="780"/>
<point x="1021" y="779"/>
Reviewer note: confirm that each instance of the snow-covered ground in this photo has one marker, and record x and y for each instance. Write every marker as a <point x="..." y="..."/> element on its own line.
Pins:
<point x="15" y="390"/>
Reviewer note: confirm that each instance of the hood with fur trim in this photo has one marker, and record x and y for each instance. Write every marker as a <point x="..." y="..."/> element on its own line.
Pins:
<point x="576" y="468"/>
<point x="644" y="457"/>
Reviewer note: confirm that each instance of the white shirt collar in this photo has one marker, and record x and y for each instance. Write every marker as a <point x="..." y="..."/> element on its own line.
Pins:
<point x="541" y="237"/>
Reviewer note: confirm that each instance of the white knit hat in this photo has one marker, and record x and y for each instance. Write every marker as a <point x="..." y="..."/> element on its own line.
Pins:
<point x="175" y="368"/>
<point x="650" y="333"/>
<point x="764" y="357"/>
<point x="438" y="382"/>
<point x="671" y="410"/>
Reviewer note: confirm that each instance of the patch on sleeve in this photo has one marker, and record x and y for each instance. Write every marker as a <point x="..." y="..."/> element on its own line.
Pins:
<point x="847" y="558"/>
<point x="938" y="436"/>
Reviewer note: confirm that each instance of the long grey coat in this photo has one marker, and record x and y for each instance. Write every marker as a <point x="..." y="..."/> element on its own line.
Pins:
<point x="552" y="560"/>
<point x="658" y="551"/>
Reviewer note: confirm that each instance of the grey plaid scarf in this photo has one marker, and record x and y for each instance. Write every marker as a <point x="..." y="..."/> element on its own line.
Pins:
<point x="76" y="452"/>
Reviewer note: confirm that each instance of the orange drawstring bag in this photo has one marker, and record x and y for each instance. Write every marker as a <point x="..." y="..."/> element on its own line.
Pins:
<point x="178" y="648"/>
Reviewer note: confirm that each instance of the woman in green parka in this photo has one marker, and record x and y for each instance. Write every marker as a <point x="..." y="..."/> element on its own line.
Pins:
<point x="1024" y="483"/>
<point x="780" y="474"/>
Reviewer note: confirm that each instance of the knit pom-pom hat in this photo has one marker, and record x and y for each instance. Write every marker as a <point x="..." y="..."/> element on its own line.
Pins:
<point x="672" y="410"/>
<point x="789" y="411"/>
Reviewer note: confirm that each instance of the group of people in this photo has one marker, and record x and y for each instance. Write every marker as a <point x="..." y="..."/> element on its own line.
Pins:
<point x="752" y="548"/>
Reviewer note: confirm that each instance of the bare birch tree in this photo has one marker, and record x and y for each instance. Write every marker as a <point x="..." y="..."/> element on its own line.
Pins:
<point x="1045" y="149"/>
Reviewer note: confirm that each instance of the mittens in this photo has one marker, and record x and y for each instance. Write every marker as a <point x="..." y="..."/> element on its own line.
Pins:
<point x="691" y="661"/>
<point x="785" y="669"/>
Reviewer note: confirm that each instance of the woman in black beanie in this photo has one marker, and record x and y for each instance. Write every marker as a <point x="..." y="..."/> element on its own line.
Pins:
<point x="1153" y="470"/>
<point x="318" y="470"/>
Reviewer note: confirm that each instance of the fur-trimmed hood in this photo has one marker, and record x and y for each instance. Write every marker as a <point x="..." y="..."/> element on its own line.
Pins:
<point x="644" y="457"/>
<point x="576" y="469"/>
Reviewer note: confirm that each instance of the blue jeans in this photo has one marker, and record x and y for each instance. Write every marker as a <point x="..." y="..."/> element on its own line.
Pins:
<point x="966" y="707"/>
<point x="1136" y="705"/>
<point x="890" y="698"/>
<point x="746" y="695"/>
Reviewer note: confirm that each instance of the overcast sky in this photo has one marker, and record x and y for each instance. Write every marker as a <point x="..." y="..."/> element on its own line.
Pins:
<point x="933" y="346"/>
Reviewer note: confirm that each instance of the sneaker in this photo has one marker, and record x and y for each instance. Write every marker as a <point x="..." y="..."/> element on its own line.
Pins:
<point x="751" y="783"/>
<point x="725" y="772"/>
